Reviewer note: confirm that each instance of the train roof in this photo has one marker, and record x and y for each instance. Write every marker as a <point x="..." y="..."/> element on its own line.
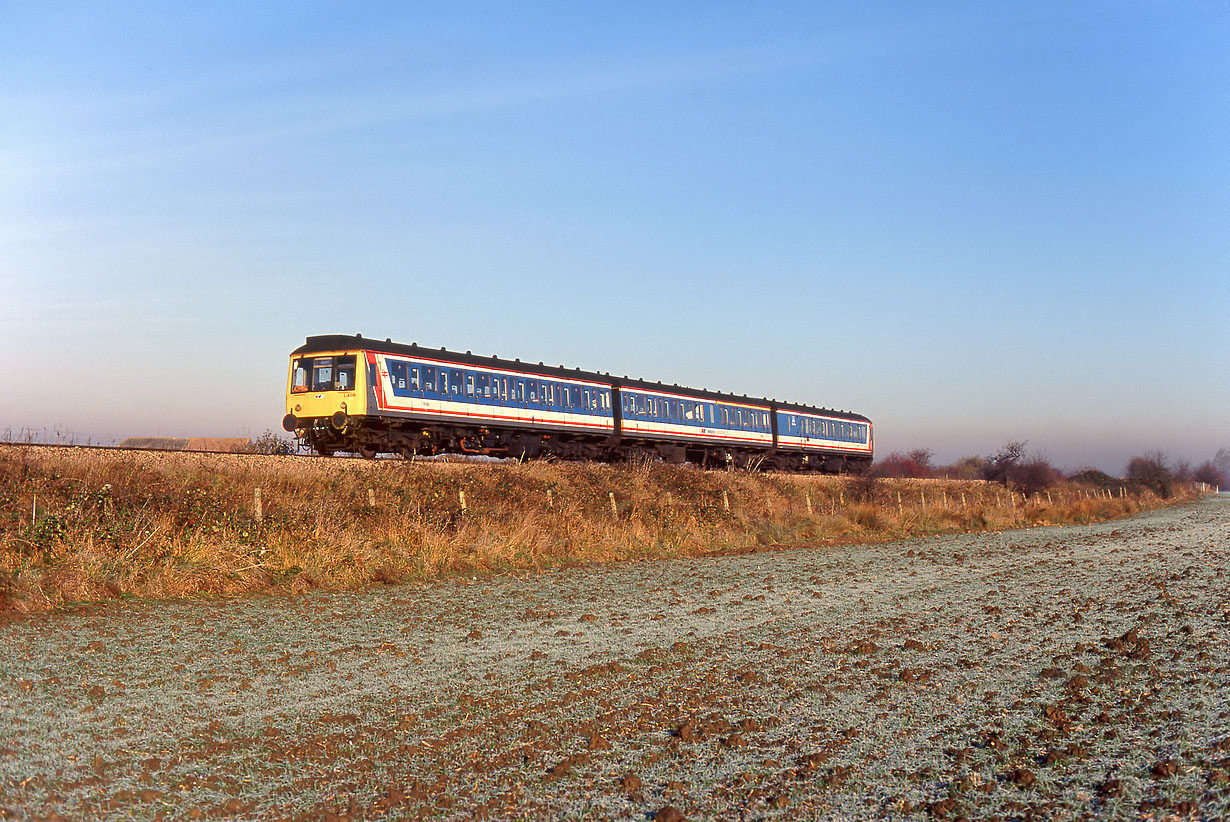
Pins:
<point x="345" y="342"/>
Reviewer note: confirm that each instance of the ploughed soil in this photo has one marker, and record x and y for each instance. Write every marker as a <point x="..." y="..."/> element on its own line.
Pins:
<point x="1048" y="673"/>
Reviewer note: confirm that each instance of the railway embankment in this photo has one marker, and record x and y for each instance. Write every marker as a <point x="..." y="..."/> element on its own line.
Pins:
<point x="81" y="525"/>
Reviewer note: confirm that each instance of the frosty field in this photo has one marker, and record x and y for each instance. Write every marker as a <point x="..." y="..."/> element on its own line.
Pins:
<point x="1053" y="672"/>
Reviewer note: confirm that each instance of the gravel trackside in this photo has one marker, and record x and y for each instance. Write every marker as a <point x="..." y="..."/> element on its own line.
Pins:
<point x="1046" y="673"/>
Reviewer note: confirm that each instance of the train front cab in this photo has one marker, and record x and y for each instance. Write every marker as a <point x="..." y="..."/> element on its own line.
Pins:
<point x="326" y="397"/>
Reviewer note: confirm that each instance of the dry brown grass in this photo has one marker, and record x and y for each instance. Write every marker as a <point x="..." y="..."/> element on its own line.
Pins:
<point x="165" y="525"/>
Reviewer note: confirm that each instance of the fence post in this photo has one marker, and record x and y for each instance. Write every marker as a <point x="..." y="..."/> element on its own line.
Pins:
<point x="462" y="496"/>
<point x="371" y="498"/>
<point x="614" y="509"/>
<point x="808" y="498"/>
<point x="900" y="509"/>
<point x="550" y="499"/>
<point x="725" y="500"/>
<point x="258" y="508"/>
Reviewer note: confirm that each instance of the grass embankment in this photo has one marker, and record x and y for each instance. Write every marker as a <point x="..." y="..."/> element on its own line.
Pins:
<point x="79" y="524"/>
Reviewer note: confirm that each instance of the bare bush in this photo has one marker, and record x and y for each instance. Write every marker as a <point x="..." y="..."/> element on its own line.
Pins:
<point x="966" y="468"/>
<point x="1096" y="478"/>
<point x="1151" y="471"/>
<point x="915" y="464"/>
<point x="1209" y="474"/>
<point x="271" y="443"/>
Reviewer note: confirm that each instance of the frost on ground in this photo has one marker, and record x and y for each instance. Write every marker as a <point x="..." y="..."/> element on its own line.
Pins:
<point x="1044" y="673"/>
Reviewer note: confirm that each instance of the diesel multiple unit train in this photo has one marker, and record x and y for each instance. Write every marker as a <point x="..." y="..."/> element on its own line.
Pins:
<point x="362" y="396"/>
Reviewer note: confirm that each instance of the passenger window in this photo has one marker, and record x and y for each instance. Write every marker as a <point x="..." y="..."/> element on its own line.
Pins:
<point x="469" y="385"/>
<point x="397" y="375"/>
<point x="414" y="378"/>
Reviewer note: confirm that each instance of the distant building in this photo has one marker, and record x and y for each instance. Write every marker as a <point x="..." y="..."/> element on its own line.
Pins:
<point x="188" y="443"/>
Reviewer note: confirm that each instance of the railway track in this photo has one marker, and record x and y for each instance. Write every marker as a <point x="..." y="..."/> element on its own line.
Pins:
<point x="304" y="453"/>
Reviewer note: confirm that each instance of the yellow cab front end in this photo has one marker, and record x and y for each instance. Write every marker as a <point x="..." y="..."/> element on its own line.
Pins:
<point x="326" y="399"/>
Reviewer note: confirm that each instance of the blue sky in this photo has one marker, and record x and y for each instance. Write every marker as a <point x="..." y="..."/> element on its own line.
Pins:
<point x="972" y="222"/>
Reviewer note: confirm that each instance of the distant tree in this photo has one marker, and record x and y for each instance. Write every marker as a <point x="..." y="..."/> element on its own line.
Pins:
<point x="1209" y="473"/>
<point x="1222" y="461"/>
<point x="1000" y="466"/>
<point x="914" y="464"/>
<point x="1151" y="471"/>
<point x="1182" y="471"/>
<point x="1013" y="469"/>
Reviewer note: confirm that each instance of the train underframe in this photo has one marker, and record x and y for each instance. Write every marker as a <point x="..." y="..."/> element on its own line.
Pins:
<point x="369" y="436"/>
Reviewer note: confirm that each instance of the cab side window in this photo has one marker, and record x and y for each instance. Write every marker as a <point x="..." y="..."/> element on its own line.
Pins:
<point x="299" y="378"/>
